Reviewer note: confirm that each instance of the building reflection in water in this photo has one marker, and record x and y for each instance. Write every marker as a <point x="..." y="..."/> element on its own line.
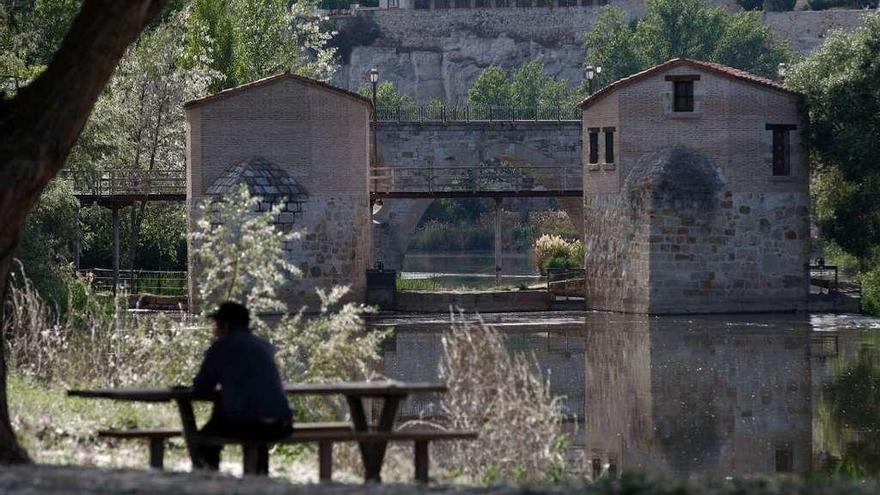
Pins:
<point x="715" y="396"/>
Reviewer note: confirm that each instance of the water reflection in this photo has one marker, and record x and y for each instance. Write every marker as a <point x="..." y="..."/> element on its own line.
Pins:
<point x="716" y="396"/>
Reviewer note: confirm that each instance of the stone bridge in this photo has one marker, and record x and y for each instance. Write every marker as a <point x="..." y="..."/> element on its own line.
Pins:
<point x="540" y="148"/>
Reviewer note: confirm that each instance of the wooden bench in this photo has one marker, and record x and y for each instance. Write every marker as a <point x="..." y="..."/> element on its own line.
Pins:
<point x="155" y="437"/>
<point x="326" y="438"/>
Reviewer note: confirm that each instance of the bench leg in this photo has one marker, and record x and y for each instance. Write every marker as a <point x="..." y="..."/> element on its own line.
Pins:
<point x="255" y="459"/>
<point x="421" y="461"/>
<point x="325" y="461"/>
<point x="157" y="453"/>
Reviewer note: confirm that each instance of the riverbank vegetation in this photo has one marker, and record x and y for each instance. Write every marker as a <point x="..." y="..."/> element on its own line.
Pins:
<point x="841" y="83"/>
<point x="551" y="251"/>
<point x="97" y="342"/>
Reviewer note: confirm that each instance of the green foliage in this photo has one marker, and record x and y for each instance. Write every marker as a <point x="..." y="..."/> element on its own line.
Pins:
<point x="841" y="81"/>
<point x="245" y="40"/>
<point x="492" y="88"/>
<point x="870" y="280"/>
<point x="45" y="247"/>
<point x="224" y="230"/>
<point x="387" y="95"/>
<point x="528" y="86"/>
<point x="682" y="28"/>
<point x="551" y="251"/>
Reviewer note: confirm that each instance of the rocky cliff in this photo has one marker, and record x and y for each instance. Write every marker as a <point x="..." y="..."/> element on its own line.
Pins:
<point x="439" y="53"/>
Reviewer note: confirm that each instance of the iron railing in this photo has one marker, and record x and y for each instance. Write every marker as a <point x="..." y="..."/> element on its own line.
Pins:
<point x="128" y="182"/>
<point x="475" y="113"/>
<point x="156" y="282"/>
<point x="474" y="179"/>
<point x="561" y="275"/>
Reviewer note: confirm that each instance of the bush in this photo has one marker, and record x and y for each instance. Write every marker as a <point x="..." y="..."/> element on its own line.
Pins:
<point x="871" y="291"/>
<point x="552" y="251"/>
<point x="503" y="396"/>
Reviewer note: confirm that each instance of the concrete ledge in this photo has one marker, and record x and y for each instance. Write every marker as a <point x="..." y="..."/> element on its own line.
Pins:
<point x="481" y="302"/>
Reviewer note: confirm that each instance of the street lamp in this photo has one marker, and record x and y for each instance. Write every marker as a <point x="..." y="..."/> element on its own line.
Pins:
<point x="592" y="71"/>
<point x="374" y="79"/>
<point x="781" y="70"/>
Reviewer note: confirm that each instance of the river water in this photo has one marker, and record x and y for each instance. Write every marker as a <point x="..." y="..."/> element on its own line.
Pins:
<point x="696" y="395"/>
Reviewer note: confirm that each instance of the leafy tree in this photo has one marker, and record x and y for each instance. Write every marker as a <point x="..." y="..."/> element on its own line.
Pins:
<point x="33" y="148"/>
<point x="387" y="95"/>
<point x="682" y="28"/>
<point x="45" y="249"/>
<point x="251" y="39"/>
<point x="841" y="81"/>
<point x="529" y="86"/>
<point x="491" y="88"/>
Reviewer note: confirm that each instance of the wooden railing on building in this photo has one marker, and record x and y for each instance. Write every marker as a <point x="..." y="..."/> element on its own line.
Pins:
<point x="129" y="183"/>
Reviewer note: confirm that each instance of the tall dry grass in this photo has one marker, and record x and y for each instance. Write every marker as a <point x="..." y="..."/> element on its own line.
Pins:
<point x="505" y="397"/>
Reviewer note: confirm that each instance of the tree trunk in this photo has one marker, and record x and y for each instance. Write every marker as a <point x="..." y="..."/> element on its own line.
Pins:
<point x="43" y="121"/>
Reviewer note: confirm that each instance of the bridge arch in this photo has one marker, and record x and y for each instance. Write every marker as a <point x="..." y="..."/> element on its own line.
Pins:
<point x="539" y="148"/>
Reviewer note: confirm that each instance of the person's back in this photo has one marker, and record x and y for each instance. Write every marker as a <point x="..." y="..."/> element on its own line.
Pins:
<point x="243" y="365"/>
<point x="251" y="404"/>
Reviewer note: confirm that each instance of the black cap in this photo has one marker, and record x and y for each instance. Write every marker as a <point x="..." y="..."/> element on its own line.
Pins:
<point x="232" y="313"/>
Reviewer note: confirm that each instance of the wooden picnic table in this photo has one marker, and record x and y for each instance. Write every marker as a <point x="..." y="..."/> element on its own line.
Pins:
<point x="392" y="393"/>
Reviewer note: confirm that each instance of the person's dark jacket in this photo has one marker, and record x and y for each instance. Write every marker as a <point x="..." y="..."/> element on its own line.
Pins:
<point x="243" y="365"/>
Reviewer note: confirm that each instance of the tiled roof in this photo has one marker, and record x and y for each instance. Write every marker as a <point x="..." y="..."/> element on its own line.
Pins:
<point x="270" y="80"/>
<point x="713" y="67"/>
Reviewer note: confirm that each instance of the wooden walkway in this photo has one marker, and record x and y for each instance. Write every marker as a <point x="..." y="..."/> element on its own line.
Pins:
<point x="123" y="187"/>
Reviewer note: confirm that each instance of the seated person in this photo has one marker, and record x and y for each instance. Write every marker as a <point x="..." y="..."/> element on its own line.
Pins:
<point x="251" y="403"/>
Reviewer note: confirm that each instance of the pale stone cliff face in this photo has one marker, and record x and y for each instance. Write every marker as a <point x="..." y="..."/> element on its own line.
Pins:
<point x="438" y="54"/>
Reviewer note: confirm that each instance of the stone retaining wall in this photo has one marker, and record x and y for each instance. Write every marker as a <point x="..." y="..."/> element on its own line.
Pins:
<point x="481" y="302"/>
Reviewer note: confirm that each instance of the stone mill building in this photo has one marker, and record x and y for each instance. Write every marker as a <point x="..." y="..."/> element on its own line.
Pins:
<point x="300" y="141"/>
<point x="695" y="193"/>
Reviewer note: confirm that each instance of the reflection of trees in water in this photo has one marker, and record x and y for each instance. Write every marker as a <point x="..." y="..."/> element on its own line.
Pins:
<point x="852" y="402"/>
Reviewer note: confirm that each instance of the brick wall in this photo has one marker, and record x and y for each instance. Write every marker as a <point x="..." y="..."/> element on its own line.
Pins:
<point x="320" y="138"/>
<point x="694" y="220"/>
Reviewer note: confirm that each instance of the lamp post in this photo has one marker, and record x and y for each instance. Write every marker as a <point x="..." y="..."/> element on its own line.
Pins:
<point x="374" y="80"/>
<point x="591" y="71"/>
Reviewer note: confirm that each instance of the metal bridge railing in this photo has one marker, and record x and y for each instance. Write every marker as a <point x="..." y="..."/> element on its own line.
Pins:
<point x="475" y="113"/>
<point x="156" y="282"/>
<point x="474" y="179"/>
<point x="122" y="182"/>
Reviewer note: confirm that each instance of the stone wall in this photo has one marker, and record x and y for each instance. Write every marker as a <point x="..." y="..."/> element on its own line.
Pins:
<point x="318" y="138"/>
<point x="466" y="144"/>
<point x="439" y="53"/>
<point x="694" y="220"/>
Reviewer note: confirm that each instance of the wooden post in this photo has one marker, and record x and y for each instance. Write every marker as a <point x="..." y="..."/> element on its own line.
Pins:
<point x="115" y="220"/>
<point x="132" y="237"/>
<point x="421" y="461"/>
<point x="77" y="244"/>
<point x="325" y="461"/>
<point x="157" y="452"/>
<point x="498" y="246"/>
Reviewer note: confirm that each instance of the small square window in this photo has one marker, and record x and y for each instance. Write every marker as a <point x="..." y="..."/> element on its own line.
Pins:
<point x="683" y="96"/>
